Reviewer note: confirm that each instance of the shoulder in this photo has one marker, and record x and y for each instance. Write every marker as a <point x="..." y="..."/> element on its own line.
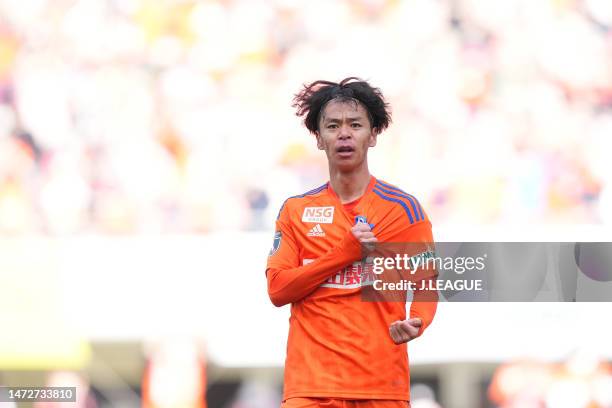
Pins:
<point x="299" y="201"/>
<point x="398" y="200"/>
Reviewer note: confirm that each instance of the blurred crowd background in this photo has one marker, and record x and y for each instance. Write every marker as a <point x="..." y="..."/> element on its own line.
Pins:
<point x="125" y="118"/>
<point x="145" y="116"/>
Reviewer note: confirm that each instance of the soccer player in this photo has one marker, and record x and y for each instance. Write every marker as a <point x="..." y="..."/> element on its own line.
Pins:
<point x="342" y="351"/>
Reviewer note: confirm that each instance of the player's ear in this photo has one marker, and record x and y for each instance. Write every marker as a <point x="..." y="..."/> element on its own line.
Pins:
<point x="319" y="140"/>
<point x="373" y="137"/>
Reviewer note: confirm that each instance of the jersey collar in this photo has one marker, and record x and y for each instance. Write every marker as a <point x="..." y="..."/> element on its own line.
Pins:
<point x="353" y="203"/>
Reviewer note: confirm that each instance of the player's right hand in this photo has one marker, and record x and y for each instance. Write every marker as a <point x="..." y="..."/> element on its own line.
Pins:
<point x="363" y="233"/>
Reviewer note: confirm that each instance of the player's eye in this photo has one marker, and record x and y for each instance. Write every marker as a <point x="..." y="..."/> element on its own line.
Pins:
<point x="332" y="126"/>
<point x="356" y="125"/>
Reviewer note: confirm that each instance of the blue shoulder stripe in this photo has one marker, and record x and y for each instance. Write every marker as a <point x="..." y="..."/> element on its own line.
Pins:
<point x="311" y="192"/>
<point x="395" y="200"/>
<point x="389" y="186"/>
<point x="418" y="210"/>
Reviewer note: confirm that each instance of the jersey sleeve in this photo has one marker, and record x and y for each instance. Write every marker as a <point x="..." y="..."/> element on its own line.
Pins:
<point x="285" y="252"/>
<point x="290" y="282"/>
<point x="401" y="229"/>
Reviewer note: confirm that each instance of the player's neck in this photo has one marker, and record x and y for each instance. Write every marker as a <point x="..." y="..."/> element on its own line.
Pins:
<point x="349" y="186"/>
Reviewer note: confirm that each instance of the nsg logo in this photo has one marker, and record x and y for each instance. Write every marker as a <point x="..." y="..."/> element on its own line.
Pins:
<point x="322" y="215"/>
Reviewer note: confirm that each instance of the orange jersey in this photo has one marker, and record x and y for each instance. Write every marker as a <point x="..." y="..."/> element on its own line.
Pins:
<point x="339" y="346"/>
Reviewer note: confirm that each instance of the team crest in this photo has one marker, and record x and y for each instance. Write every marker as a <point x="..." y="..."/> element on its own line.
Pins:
<point x="276" y="244"/>
<point x="360" y="219"/>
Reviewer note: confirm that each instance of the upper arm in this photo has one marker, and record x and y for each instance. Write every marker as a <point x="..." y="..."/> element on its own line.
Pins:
<point x="409" y="238"/>
<point x="399" y="226"/>
<point x="285" y="251"/>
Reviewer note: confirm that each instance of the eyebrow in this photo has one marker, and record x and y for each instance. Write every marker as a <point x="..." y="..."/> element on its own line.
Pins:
<point x="350" y="118"/>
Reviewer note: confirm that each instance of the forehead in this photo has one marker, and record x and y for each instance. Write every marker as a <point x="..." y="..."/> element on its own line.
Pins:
<point x="338" y="110"/>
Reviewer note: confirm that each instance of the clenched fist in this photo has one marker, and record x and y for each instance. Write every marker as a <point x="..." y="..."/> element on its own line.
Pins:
<point x="402" y="331"/>
<point x="363" y="233"/>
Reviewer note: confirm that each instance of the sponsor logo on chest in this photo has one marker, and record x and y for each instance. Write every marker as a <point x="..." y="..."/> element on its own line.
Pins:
<point x="319" y="215"/>
<point x="353" y="276"/>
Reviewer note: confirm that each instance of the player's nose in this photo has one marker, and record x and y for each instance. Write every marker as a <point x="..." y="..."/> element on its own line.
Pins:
<point x="345" y="132"/>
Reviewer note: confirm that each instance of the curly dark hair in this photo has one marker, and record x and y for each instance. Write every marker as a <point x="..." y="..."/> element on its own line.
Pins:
<point x="311" y="101"/>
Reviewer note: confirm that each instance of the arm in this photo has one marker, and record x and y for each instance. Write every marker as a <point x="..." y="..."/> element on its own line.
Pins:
<point x="288" y="280"/>
<point x="288" y="285"/>
<point x="424" y="303"/>
<point x="423" y="307"/>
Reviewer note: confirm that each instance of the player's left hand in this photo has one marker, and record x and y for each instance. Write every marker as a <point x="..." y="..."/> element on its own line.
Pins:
<point x="402" y="331"/>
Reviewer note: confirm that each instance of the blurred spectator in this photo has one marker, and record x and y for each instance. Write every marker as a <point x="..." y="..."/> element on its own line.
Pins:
<point x="520" y="384"/>
<point x="258" y="203"/>
<point x="422" y="396"/>
<point x="175" y="376"/>
<point x="583" y="381"/>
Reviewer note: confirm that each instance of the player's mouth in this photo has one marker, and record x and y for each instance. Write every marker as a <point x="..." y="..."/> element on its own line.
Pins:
<point x="345" y="152"/>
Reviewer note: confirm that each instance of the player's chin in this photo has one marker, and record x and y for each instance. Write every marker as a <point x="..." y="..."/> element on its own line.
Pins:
<point x="346" y="165"/>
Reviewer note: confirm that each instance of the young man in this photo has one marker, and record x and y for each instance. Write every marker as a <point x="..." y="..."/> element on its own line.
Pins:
<point x="344" y="352"/>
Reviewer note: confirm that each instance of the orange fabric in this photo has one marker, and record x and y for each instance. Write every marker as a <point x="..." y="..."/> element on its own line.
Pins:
<point x="339" y="346"/>
<point x="336" y="403"/>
